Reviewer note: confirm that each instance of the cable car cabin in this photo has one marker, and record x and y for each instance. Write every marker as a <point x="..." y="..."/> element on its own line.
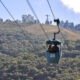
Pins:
<point x="54" y="51"/>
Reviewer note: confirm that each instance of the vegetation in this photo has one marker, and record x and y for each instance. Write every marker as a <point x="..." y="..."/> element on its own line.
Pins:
<point x="32" y="67"/>
<point x="19" y="60"/>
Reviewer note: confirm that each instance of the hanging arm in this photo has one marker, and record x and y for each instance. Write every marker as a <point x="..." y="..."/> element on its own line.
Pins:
<point x="55" y="33"/>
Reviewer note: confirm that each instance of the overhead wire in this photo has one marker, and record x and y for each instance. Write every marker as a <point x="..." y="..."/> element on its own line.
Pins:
<point x="19" y="25"/>
<point x="51" y="9"/>
<point x="7" y="10"/>
<point x="30" y="6"/>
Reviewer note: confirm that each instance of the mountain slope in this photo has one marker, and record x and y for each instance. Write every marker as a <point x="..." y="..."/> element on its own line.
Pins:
<point x="49" y="29"/>
<point x="36" y="30"/>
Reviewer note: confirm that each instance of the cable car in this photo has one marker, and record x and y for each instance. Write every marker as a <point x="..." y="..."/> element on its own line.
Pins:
<point x="53" y="52"/>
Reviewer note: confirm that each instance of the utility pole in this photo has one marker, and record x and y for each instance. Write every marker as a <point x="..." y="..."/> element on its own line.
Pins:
<point x="47" y="19"/>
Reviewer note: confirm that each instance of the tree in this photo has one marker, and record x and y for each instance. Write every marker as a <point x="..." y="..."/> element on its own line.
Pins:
<point x="77" y="27"/>
<point x="8" y="21"/>
<point x="1" y="20"/>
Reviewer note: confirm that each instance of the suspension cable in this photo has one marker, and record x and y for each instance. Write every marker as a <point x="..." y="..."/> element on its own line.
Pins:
<point x="51" y="9"/>
<point x="30" y="6"/>
<point x="7" y="10"/>
<point x="19" y="26"/>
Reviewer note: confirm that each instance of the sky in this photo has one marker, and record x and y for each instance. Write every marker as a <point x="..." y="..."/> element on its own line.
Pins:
<point x="63" y="9"/>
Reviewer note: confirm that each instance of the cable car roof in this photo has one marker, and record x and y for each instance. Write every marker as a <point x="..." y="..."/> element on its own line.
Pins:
<point x="55" y="42"/>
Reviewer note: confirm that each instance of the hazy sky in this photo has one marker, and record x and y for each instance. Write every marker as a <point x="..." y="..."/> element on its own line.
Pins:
<point x="63" y="9"/>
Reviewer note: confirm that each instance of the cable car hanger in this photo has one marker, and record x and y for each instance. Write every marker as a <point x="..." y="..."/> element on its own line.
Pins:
<point x="54" y="41"/>
<point x="55" y="33"/>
